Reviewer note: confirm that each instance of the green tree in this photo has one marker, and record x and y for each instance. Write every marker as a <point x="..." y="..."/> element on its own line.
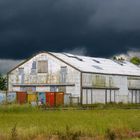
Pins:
<point x="135" y="60"/>
<point x="3" y="83"/>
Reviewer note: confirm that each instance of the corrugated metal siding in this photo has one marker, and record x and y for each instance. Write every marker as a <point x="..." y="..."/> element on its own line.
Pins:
<point x="134" y="96"/>
<point x="67" y="99"/>
<point x="52" y="76"/>
<point x="92" y="96"/>
<point x="99" y="65"/>
<point x="55" y="74"/>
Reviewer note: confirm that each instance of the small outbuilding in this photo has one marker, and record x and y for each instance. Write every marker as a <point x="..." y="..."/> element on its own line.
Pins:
<point x="86" y="80"/>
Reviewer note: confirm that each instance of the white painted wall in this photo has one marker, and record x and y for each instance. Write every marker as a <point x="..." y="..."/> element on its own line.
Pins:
<point x="73" y="77"/>
<point x="109" y="81"/>
<point x="52" y="77"/>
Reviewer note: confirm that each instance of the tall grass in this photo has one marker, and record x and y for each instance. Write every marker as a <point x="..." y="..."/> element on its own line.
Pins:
<point x="26" y="122"/>
<point x="16" y="108"/>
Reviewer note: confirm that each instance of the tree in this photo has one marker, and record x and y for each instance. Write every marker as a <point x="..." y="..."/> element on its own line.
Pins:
<point x="3" y="83"/>
<point x="135" y="60"/>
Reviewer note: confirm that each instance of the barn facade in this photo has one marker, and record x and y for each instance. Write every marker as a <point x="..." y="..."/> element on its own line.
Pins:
<point x="87" y="80"/>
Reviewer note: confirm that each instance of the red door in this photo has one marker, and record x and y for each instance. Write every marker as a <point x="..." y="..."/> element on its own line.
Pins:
<point x="59" y="98"/>
<point x="50" y="99"/>
<point x="21" y="97"/>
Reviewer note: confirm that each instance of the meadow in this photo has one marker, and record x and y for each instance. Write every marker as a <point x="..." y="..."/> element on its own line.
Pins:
<point x="30" y="123"/>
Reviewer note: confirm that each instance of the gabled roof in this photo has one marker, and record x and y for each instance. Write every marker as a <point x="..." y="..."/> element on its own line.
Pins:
<point x="94" y="65"/>
<point x="99" y="65"/>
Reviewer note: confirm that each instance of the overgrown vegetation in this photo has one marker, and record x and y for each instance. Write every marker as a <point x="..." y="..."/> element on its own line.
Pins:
<point x="25" y="123"/>
<point x="3" y="83"/>
<point x="135" y="60"/>
<point x="111" y="106"/>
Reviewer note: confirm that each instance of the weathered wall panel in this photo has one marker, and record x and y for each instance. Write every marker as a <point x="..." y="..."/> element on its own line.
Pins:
<point x="123" y="83"/>
<point x="54" y="75"/>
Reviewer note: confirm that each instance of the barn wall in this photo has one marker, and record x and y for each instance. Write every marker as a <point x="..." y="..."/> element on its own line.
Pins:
<point x="109" y="83"/>
<point x="134" y="89"/>
<point x="133" y="82"/>
<point x="53" y="75"/>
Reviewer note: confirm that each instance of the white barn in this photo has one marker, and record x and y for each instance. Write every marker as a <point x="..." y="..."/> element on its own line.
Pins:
<point x="88" y="79"/>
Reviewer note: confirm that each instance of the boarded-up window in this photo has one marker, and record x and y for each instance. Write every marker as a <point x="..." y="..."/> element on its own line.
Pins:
<point x="34" y="65"/>
<point x="63" y="74"/>
<point x="21" y="71"/>
<point x="33" y="69"/>
<point x="42" y="66"/>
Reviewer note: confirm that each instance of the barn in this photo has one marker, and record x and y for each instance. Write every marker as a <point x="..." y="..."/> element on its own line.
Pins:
<point x="86" y="80"/>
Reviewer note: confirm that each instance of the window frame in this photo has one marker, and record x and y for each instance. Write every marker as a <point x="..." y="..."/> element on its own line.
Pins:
<point x="39" y="69"/>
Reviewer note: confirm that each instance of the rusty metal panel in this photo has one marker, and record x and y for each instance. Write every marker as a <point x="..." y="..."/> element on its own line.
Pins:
<point x="59" y="98"/>
<point x="21" y="97"/>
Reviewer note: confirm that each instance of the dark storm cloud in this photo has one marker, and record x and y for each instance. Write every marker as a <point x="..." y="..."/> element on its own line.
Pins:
<point x="103" y="27"/>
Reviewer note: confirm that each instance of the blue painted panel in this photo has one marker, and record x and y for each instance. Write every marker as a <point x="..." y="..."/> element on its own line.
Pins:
<point x="2" y="98"/>
<point x="42" y="97"/>
<point x="11" y="97"/>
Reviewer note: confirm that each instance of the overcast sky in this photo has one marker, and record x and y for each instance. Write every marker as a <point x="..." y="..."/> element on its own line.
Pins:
<point x="100" y="27"/>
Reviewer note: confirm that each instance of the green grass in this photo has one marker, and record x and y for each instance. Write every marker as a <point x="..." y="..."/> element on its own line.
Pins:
<point x="27" y="122"/>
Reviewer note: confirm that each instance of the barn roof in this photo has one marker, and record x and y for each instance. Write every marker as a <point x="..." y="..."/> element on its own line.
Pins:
<point x="99" y="65"/>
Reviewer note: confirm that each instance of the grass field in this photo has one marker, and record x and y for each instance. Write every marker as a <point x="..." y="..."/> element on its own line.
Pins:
<point x="24" y="122"/>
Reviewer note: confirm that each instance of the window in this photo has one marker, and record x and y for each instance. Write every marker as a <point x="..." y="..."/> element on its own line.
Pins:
<point x="42" y="66"/>
<point x="33" y="69"/>
<point x="120" y="62"/>
<point x="96" y="61"/>
<point x="34" y="65"/>
<point x="97" y="67"/>
<point x="21" y="71"/>
<point x="73" y="56"/>
<point x="79" y="59"/>
<point x="63" y="74"/>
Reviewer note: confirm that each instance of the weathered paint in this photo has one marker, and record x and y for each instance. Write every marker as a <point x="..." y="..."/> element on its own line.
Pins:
<point x="42" y="97"/>
<point x="59" y="98"/>
<point x="2" y="97"/>
<point x="32" y="97"/>
<point x="11" y="97"/>
<point x="134" y="96"/>
<point x="54" y="75"/>
<point x="50" y="99"/>
<point x="21" y="97"/>
<point x="67" y="99"/>
<point x="76" y="76"/>
<point x="98" y="81"/>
